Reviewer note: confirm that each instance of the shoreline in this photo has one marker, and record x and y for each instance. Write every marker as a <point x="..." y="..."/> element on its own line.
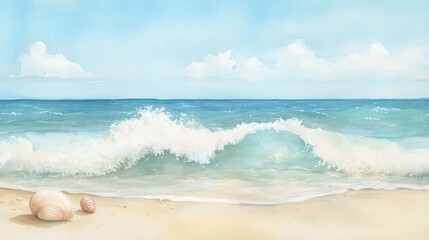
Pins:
<point x="362" y="214"/>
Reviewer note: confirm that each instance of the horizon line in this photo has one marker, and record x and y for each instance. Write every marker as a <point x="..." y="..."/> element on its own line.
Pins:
<point x="211" y="99"/>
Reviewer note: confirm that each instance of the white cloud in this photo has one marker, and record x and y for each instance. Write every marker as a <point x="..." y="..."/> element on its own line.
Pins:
<point x="298" y="61"/>
<point x="254" y="70"/>
<point x="376" y="59"/>
<point x="224" y="66"/>
<point x="38" y="63"/>
<point x="213" y="66"/>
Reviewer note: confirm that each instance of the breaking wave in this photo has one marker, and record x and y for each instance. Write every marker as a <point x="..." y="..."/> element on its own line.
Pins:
<point x="156" y="132"/>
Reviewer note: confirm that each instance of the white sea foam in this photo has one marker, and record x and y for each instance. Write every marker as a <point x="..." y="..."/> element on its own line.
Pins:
<point x="155" y="132"/>
<point x="360" y="155"/>
<point x="50" y="112"/>
<point x="11" y="113"/>
<point x="384" y="110"/>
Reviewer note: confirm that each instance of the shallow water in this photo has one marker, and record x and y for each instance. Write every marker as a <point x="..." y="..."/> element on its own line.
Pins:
<point x="240" y="151"/>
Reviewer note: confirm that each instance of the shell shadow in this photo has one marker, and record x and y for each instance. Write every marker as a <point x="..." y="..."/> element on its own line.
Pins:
<point x="31" y="220"/>
<point x="82" y="213"/>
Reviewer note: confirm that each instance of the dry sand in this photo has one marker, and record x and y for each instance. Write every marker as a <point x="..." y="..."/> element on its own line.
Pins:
<point x="365" y="214"/>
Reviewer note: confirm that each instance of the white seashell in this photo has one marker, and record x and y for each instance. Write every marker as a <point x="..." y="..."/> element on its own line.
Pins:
<point x="87" y="204"/>
<point x="51" y="205"/>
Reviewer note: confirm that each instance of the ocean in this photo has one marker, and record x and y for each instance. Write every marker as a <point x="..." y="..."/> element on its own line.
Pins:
<point x="225" y="151"/>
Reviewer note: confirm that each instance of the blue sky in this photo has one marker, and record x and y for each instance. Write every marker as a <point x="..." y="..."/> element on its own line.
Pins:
<point x="214" y="49"/>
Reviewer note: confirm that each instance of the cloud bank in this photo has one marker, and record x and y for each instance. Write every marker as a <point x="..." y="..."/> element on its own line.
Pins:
<point x="39" y="63"/>
<point x="298" y="61"/>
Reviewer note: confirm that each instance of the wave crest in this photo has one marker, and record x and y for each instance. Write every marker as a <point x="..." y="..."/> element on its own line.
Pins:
<point x="155" y="132"/>
<point x="359" y="155"/>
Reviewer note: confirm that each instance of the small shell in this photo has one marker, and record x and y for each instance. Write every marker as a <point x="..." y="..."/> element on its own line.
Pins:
<point x="51" y="205"/>
<point x="87" y="204"/>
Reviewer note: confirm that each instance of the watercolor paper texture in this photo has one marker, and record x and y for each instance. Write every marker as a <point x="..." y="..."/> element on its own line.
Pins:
<point x="256" y="119"/>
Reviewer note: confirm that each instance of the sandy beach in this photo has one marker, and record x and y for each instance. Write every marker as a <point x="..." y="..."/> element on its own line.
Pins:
<point x="365" y="214"/>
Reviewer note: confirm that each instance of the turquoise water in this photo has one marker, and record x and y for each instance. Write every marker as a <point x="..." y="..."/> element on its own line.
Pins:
<point x="238" y="151"/>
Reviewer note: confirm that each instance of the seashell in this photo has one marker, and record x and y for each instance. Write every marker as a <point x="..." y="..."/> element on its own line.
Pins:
<point x="51" y="205"/>
<point x="87" y="204"/>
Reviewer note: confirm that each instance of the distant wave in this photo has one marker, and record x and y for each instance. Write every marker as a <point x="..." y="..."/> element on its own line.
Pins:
<point x="155" y="132"/>
<point x="11" y="113"/>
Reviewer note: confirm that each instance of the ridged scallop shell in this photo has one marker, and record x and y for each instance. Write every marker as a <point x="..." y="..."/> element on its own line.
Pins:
<point x="87" y="204"/>
<point x="51" y="205"/>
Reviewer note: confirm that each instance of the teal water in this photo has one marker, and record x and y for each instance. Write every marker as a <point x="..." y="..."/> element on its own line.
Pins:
<point x="238" y="151"/>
